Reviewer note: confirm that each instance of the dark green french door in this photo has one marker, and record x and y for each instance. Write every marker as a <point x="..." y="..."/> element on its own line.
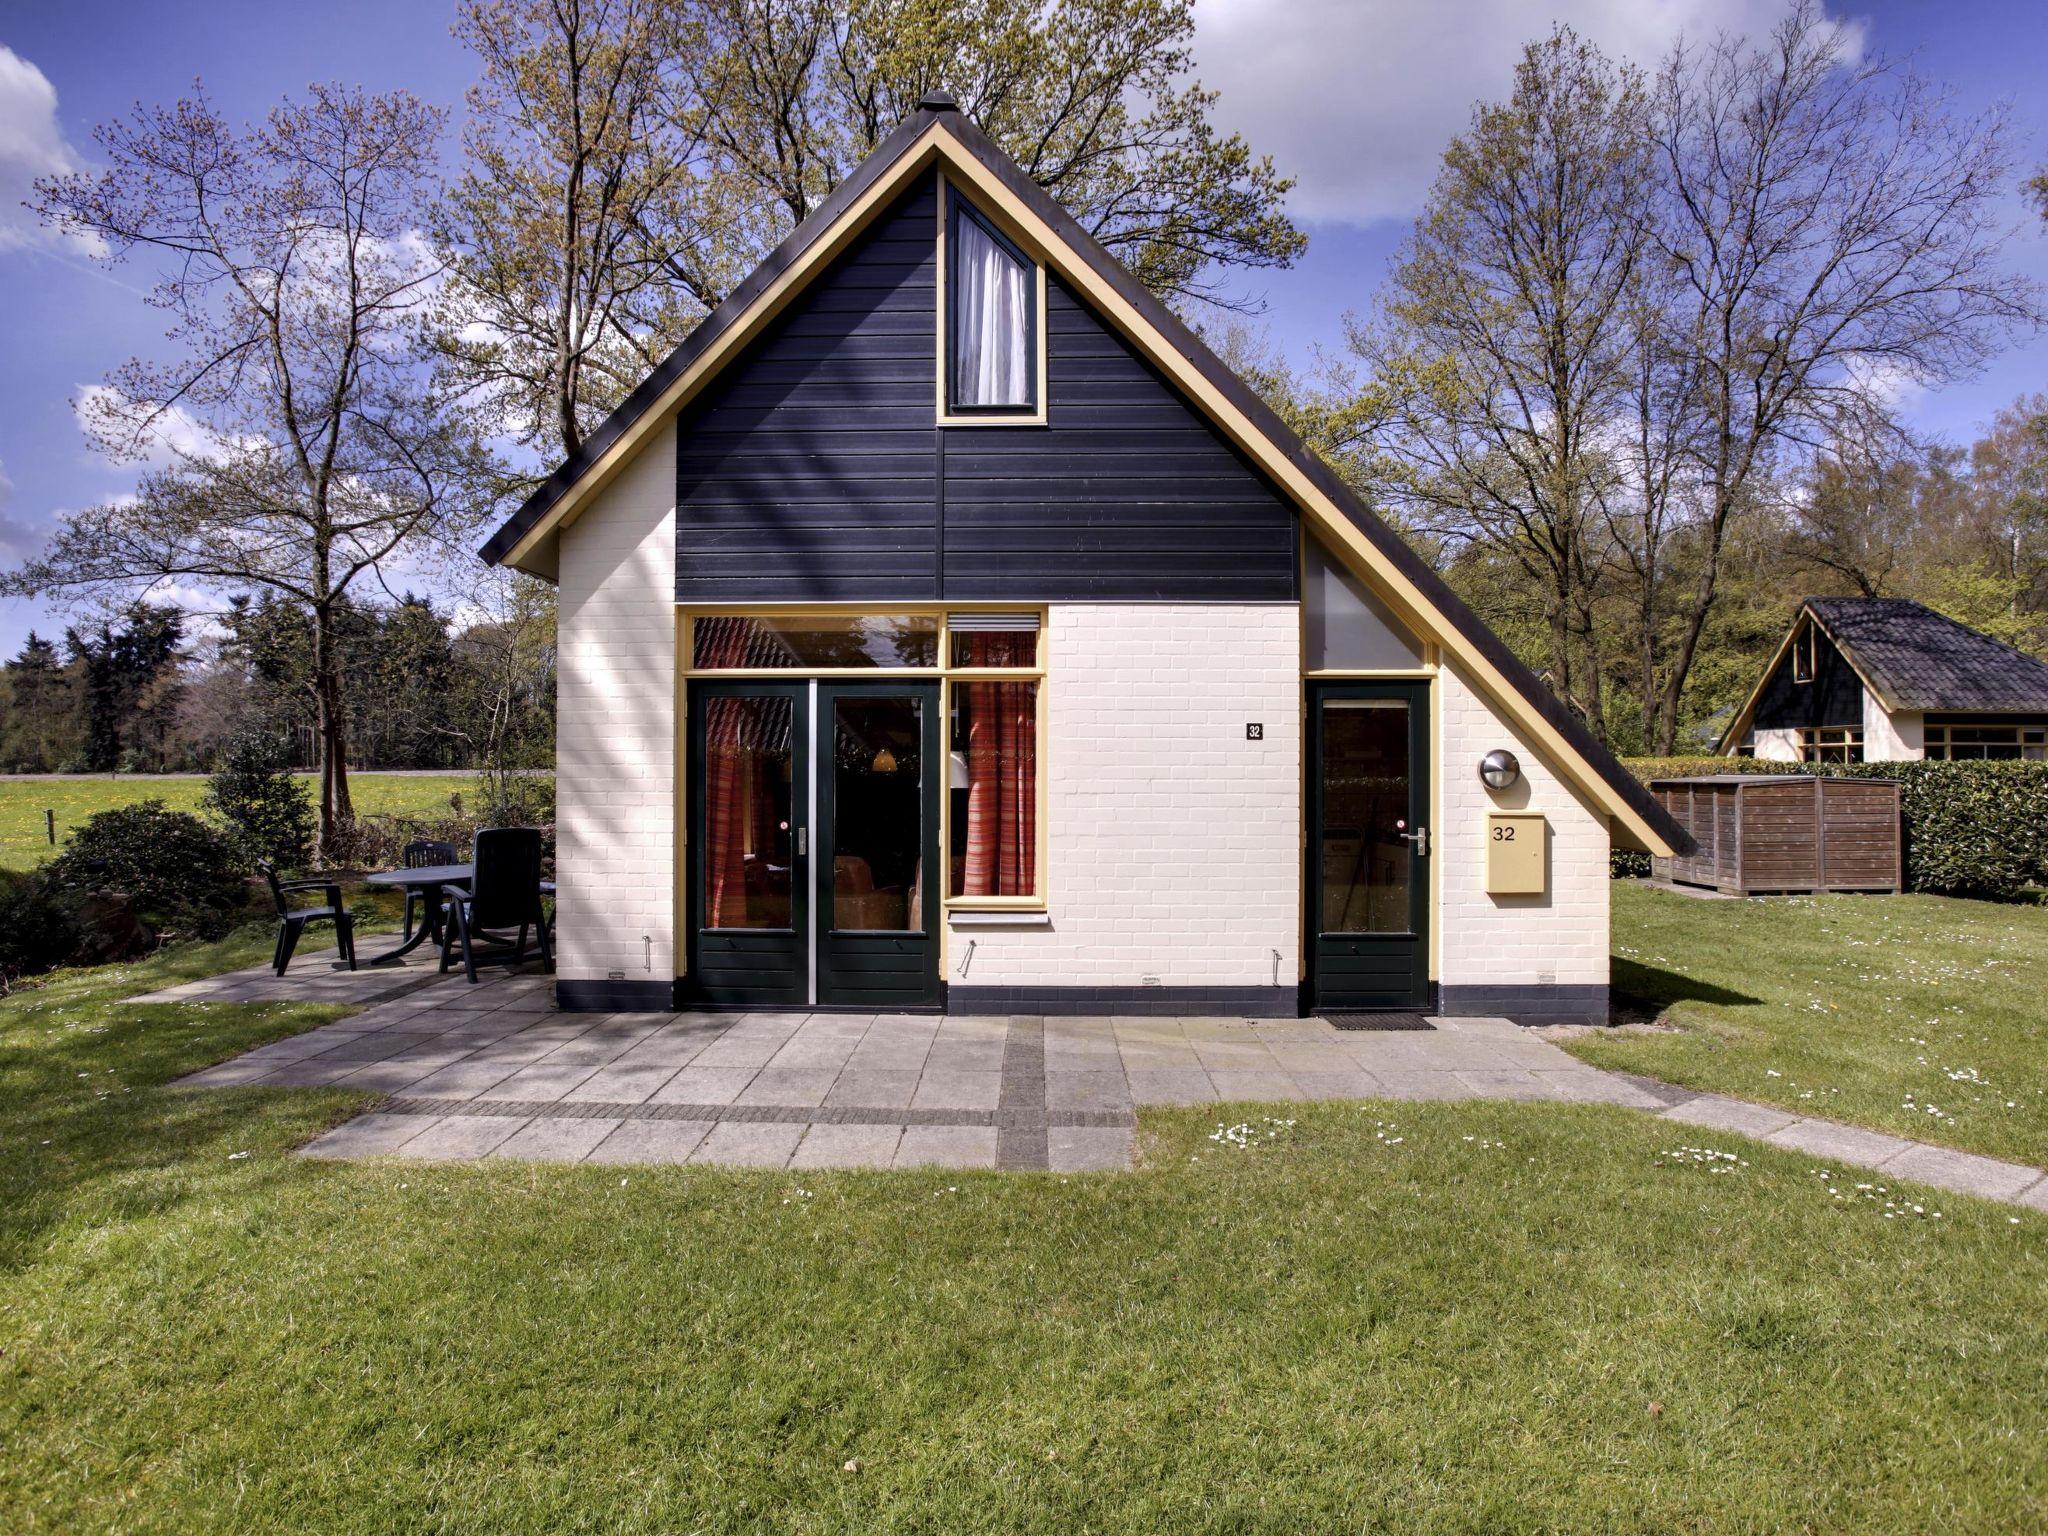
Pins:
<point x="1368" y="845"/>
<point x="813" y="845"/>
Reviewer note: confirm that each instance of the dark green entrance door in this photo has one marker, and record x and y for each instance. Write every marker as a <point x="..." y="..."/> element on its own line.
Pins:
<point x="813" y="854"/>
<point x="1368" y="845"/>
<point x="877" y="882"/>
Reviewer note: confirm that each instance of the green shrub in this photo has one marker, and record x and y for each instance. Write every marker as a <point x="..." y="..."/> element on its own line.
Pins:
<point x="187" y="877"/>
<point x="1972" y="828"/>
<point x="38" y="930"/>
<point x="265" y="808"/>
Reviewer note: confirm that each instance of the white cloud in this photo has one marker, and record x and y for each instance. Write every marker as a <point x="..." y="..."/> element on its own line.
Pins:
<point x="31" y="145"/>
<point x="18" y="541"/>
<point x="160" y="436"/>
<point x="1357" y="98"/>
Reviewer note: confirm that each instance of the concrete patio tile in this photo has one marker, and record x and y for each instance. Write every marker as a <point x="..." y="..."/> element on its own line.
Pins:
<point x="1406" y="1083"/>
<point x="1171" y="1085"/>
<point x="1147" y="1055"/>
<point x="847" y="1146"/>
<point x="663" y="1049"/>
<point x="947" y="1146"/>
<point x="1584" y="1085"/>
<point x="1964" y="1172"/>
<point x="458" y="1138"/>
<point x="1087" y="1148"/>
<point x="374" y="1047"/>
<point x="959" y="1090"/>
<point x="806" y="1053"/>
<point x="749" y="1144"/>
<point x="516" y="1051"/>
<point x="2035" y="1198"/>
<point x="544" y="1082"/>
<point x="619" y="1084"/>
<point x="461" y="1081"/>
<point x="803" y="1087"/>
<point x="729" y="1053"/>
<point x="1086" y="1090"/>
<point x="1300" y="1058"/>
<point x="696" y="1084"/>
<point x="310" y="1074"/>
<point x="1338" y="1085"/>
<point x="1233" y="1085"/>
<point x="904" y="1054"/>
<point x="972" y="1055"/>
<point x="1716" y="1113"/>
<point x="594" y="1047"/>
<point x="1824" y="1138"/>
<point x="873" y="1090"/>
<point x="371" y="1135"/>
<point x="1236" y="1056"/>
<point x="555" y="1141"/>
<point x="1507" y="1083"/>
<point x="387" y="1076"/>
<point x="651" y="1141"/>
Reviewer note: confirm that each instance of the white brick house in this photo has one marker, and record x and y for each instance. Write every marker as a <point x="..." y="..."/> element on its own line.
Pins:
<point x="943" y="626"/>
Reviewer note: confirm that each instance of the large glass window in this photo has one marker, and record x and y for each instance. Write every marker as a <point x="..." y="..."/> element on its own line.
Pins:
<point x="1950" y="742"/>
<point x="992" y="292"/>
<point x="993" y="785"/>
<point x="1832" y="744"/>
<point x="1366" y="865"/>
<point x="833" y="641"/>
<point x="747" y="812"/>
<point x="878" y="814"/>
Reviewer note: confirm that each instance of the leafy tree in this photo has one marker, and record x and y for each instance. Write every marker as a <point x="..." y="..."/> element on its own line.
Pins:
<point x="303" y="447"/>
<point x="256" y="795"/>
<point x="629" y="161"/>
<point x="129" y="678"/>
<point x="41" y="732"/>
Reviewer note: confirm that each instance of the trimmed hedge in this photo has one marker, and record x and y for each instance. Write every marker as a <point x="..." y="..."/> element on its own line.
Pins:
<point x="1972" y="828"/>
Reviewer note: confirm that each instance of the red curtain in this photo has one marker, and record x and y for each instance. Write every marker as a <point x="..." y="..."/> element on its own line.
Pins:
<point x="1002" y="771"/>
<point x="722" y="643"/>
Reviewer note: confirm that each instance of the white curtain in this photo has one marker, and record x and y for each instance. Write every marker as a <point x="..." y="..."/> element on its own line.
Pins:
<point x="991" y="315"/>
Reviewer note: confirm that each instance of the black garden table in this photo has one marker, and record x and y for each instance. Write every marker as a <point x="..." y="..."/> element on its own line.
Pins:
<point x="428" y="878"/>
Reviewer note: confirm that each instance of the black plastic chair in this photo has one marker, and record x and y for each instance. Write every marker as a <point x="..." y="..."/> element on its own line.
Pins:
<point x="421" y="854"/>
<point x="293" y="921"/>
<point x="503" y="893"/>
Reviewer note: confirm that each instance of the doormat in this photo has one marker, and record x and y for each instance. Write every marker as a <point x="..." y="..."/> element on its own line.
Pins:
<point x="1377" y="1021"/>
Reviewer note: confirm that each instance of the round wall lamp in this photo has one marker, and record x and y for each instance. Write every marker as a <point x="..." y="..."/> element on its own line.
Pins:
<point x="1500" y="769"/>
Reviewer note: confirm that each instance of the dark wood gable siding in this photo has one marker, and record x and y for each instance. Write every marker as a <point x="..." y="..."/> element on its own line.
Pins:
<point x="809" y="470"/>
<point x="1126" y="494"/>
<point x="1834" y="697"/>
<point x="814" y="470"/>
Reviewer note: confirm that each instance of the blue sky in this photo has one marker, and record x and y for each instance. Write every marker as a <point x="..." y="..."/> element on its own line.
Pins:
<point x="1355" y="97"/>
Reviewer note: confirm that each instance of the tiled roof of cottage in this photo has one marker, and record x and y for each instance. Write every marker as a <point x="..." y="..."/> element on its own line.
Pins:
<point x="1919" y="659"/>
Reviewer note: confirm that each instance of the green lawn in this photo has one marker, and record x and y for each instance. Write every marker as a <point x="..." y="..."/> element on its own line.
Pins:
<point x="1472" y="1318"/>
<point x="24" y="843"/>
<point x="1919" y="1015"/>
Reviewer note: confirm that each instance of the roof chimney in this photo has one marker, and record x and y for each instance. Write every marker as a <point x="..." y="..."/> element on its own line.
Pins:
<point x="937" y="101"/>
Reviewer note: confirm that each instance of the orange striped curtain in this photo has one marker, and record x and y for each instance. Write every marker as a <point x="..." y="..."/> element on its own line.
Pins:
<point x="1002" y="772"/>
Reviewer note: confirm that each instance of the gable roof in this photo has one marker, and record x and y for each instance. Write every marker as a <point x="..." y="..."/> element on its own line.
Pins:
<point x="1912" y="658"/>
<point x="937" y="134"/>
<point x="1915" y="658"/>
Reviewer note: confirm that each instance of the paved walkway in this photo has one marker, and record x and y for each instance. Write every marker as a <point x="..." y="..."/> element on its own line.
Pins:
<point x="494" y="1071"/>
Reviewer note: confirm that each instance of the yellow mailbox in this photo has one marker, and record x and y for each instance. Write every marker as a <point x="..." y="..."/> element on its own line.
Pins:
<point x="1515" y="848"/>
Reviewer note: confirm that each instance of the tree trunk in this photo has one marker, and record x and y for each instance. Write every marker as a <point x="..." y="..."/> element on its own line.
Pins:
<point x="336" y="809"/>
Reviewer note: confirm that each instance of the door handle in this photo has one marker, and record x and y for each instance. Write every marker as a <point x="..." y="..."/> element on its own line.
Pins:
<point x="1420" y="839"/>
<point x="803" y="841"/>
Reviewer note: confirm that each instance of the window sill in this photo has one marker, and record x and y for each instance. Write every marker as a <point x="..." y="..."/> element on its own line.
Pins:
<point x="973" y="917"/>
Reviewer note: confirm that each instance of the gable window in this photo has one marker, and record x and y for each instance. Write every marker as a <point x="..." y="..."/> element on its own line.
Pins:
<point x="1831" y="744"/>
<point x="1803" y="655"/>
<point x="992" y="320"/>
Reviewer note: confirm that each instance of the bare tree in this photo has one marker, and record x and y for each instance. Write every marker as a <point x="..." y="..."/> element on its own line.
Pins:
<point x="1836" y="230"/>
<point x="1502" y="353"/>
<point x="587" y="231"/>
<point x="291" y="441"/>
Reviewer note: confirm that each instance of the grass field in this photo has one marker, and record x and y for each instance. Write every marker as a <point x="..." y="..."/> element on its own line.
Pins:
<point x="1430" y="1318"/>
<point x="1919" y="1015"/>
<point x="24" y="842"/>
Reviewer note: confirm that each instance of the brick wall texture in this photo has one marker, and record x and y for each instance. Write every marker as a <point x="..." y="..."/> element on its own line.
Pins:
<point x="615" y="728"/>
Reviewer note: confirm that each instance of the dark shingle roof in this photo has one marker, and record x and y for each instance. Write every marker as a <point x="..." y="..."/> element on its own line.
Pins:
<point x="1919" y="659"/>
